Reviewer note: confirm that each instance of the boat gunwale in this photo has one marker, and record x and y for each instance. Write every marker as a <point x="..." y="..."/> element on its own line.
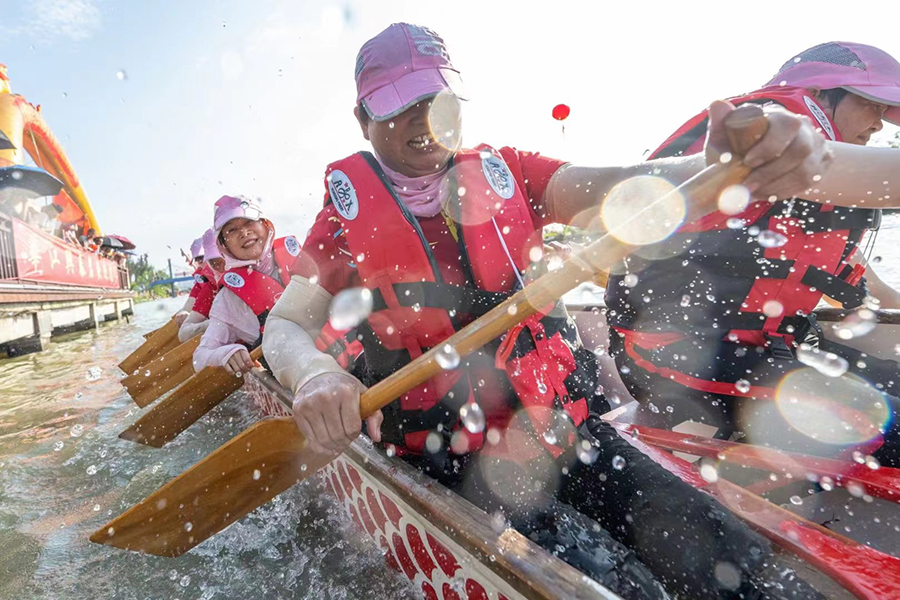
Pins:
<point x="522" y="564"/>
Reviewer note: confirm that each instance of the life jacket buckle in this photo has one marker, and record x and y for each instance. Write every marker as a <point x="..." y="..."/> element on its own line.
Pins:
<point x="779" y="348"/>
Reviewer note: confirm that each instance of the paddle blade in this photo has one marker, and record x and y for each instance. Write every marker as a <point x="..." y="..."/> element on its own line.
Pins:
<point x="200" y="394"/>
<point x="159" y="343"/>
<point x="242" y="475"/>
<point x="162" y="374"/>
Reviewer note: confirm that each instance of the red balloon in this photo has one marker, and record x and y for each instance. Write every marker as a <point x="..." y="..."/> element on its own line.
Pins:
<point x="561" y="112"/>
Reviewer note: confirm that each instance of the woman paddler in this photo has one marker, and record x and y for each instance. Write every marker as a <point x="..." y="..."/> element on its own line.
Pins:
<point x="439" y="234"/>
<point x="710" y="331"/>
<point x="256" y="264"/>
<point x="197" y="263"/>
<point x="206" y="286"/>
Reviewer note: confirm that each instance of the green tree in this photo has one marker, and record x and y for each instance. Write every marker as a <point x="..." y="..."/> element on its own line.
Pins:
<point x="143" y="274"/>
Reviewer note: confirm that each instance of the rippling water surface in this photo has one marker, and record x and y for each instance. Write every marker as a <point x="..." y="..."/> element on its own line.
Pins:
<point x="64" y="473"/>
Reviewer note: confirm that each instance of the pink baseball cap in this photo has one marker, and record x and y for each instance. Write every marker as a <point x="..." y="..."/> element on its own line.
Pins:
<point x="232" y="207"/>
<point x="210" y="250"/>
<point x="862" y="70"/>
<point x="197" y="248"/>
<point x="400" y="66"/>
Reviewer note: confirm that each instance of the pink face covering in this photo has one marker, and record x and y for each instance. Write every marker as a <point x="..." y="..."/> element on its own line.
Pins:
<point x="422" y="195"/>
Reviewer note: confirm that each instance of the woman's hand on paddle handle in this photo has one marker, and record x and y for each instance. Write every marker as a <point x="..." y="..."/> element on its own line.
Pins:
<point x="785" y="162"/>
<point x="240" y="362"/>
<point x="180" y="317"/>
<point x="326" y="410"/>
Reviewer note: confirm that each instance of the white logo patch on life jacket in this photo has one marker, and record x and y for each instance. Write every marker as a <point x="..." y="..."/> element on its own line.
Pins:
<point x="233" y="280"/>
<point x="498" y="175"/>
<point x="199" y="278"/>
<point x="820" y="116"/>
<point x="343" y="196"/>
<point x="292" y="245"/>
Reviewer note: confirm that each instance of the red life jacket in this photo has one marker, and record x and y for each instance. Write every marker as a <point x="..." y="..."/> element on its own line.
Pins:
<point x="414" y="309"/>
<point x="204" y="290"/>
<point x="714" y="277"/>
<point x="260" y="292"/>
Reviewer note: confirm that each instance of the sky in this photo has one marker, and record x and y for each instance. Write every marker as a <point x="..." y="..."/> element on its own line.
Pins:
<point x="163" y="106"/>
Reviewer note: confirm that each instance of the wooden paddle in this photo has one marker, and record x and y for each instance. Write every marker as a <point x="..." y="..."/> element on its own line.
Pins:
<point x="271" y="456"/>
<point x="162" y="374"/>
<point x="157" y="345"/>
<point x="199" y="395"/>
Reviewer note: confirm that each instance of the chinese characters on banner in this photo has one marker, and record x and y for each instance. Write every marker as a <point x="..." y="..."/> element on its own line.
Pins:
<point x="42" y="257"/>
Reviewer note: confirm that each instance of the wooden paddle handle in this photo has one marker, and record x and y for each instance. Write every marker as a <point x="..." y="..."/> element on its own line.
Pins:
<point x="745" y="126"/>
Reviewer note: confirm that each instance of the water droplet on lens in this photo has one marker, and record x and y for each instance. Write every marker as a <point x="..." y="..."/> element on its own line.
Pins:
<point x="742" y="385"/>
<point x="542" y="387"/>
<point x="256" y="474"/>
<point x="447" y="357"/>
<point x="536" y="253"/>
<point x="796" y="500"/>
<point x="58" y="446"/>
<point x="873" y="463"/>
<point x="121" y="75"/>
<point x="94" y="373"/>
<point x="827" y="483"/>
<point x="188" y="526"/>
<point x="96" y="508"/>
<point x="472" y="417"/>
<point x="735" y="223"/>
<point x="91" y="470"/>
<point x="433" y="442"/>
<point x="550" y="437"/>
<point x="826" y="363"/>
<point x="734" y="199"/>
<point x="350" y="307"/>
<point x="771" y="239"/>
<point x="586" y="452"/>
<point x="630" y="280"/>
<point x="185" y="581"/>
<point x="773" y="308"/>
<point x="76" y="431"/>
<point x="708" y="470"/>
<point x="685" y="301"/>
<point x="618" y="463"/>
<point x="857" y="324"/>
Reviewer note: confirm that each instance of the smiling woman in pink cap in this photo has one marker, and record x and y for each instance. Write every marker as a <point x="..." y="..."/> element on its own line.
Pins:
<point x="732" y="301"/>
<point x="434" y="234"/>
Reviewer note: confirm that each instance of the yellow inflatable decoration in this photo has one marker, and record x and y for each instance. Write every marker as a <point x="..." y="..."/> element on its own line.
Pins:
<point x="26" y="129"/>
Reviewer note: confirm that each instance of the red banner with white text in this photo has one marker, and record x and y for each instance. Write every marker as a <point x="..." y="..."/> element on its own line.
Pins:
<point x="42" y="257"/>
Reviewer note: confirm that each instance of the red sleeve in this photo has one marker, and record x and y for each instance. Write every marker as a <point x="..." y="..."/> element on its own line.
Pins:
<point x="326" y="246"/>
<point x="195" y="290"/>
<point x="204" y="298"/>
<point x="532" y="172"/>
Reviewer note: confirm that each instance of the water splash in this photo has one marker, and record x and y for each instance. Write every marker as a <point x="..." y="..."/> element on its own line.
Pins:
<point x="350" y="307"/>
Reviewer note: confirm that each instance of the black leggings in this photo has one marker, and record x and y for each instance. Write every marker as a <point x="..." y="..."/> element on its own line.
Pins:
<point x="650" y="519"/>
<point x="666" y="402"/>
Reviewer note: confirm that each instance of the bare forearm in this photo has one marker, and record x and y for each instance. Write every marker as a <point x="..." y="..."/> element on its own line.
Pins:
<point x="860" y="176"/>
<point x="575" y="192"/>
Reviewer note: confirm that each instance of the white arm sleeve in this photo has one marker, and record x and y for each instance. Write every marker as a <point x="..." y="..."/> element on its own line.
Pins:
<point x="193" y="325"/>
<point x="291" y="328"/>
<point x="230" y="322"/>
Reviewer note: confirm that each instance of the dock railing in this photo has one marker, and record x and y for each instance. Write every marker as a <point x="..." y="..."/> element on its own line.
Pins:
<point x="7" y="249"/>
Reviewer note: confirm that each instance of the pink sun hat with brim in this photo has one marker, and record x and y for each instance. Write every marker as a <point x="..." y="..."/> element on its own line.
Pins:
<point x="197" y="248"/>
<point x="210" y="250"/>
<point x="233" y="207"/>
<point x="400" y="66"/>
<point x="862" y="70"/>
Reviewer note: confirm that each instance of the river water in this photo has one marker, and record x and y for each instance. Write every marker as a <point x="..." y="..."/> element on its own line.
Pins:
<point x="64" y="473"/>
